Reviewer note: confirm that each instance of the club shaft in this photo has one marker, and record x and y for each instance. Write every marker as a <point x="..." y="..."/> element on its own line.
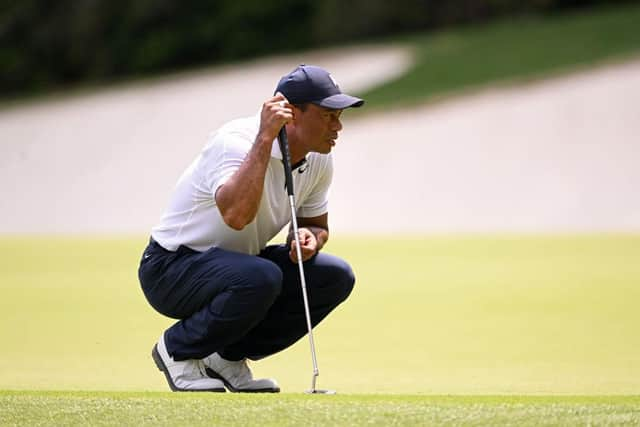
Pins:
<point x="303" y="284"/>
<point x="286" y="160"/>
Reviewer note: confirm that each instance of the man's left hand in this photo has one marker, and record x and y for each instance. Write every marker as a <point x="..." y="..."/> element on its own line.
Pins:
<point x="308" y="245"/>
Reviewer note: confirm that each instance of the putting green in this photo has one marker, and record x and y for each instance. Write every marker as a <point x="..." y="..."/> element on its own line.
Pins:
<point x="429" y="315"/>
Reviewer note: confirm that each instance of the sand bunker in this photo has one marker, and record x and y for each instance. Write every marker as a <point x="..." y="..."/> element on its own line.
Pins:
<point x="558" y="155"/>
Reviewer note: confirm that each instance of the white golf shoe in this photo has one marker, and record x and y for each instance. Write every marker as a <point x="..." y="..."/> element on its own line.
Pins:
<point x="186" y="375"/>
<point x="237" y="376"/>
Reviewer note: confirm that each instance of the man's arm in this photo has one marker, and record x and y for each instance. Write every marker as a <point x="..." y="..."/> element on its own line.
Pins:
<point x="238" y="199"/>
<point x="314" y="233"/>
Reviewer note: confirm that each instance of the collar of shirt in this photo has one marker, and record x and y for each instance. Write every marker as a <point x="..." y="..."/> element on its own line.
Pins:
<point x="277" y="154"/>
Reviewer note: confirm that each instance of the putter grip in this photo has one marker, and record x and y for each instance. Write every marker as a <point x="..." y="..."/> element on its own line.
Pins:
<point x="286" y="160"/>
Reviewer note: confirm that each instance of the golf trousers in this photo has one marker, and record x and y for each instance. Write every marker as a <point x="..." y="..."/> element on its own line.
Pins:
<point x="238" y="305"/>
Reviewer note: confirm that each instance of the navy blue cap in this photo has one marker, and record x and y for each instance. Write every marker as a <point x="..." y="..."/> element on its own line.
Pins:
<point x="308" y="83"/>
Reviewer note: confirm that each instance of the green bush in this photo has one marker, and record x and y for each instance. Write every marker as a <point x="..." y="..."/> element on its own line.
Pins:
<point x="45" y="45"/>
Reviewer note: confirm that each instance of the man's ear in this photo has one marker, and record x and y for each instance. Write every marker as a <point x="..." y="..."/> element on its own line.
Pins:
<point x="290" y="126"/>
<point x="296" y="114"/>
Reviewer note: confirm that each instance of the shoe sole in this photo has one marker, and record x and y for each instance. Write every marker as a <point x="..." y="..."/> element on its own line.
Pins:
<point x="163" y="368"/>
<point x="214" y="374"/>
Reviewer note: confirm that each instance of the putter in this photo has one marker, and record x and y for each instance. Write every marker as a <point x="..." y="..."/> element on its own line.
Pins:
<point x="286" y="160"/>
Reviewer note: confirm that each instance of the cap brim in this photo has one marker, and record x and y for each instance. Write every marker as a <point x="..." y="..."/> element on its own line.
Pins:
<point x="340" y="101"/>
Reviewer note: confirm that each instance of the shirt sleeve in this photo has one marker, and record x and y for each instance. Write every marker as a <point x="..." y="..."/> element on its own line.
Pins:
<point x="224" y="157"/>
<point x="317" y="203"/>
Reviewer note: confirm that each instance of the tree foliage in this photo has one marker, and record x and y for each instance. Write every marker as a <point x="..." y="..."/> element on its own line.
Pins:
<point x="52" y="44"/>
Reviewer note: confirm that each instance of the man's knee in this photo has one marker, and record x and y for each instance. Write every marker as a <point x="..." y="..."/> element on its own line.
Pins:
<point x="263" y="278"/>
<point x="348" y="281"/>
<point x="340" y="277"/>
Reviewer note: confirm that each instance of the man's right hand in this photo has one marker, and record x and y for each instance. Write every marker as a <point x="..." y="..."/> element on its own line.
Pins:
<point x="276" y="112"/>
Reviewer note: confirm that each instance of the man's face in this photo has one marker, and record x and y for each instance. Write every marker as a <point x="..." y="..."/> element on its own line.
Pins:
<point x="317" y="128"/>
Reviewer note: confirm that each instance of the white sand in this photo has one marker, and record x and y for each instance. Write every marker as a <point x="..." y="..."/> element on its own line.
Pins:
<point x="554" y="156"/>
<point x="558" y="155"/>
<point x="106" y="162"/>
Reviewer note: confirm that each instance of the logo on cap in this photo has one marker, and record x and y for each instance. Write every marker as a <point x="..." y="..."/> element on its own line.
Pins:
<point x="335" y="83"/>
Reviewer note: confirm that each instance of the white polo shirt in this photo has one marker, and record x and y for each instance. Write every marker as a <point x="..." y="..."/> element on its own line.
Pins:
<point x="193" y="219"/>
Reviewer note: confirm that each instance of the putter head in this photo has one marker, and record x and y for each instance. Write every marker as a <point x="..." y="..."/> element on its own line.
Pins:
<point x="317" y="391"/>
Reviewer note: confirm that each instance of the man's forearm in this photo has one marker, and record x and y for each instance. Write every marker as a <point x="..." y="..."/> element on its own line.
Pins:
<point x="239" y="198"/>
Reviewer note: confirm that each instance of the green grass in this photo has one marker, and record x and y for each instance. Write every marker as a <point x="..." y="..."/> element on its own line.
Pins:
<point x="65" y="408"/>
<point x="474" y="316"/>
<point x="515" y="49"/>
<point x="464" y="315"/>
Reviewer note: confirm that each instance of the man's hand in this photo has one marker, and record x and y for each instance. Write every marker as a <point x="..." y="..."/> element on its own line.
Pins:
<point x="308" y="245"/>
<point x="276" y="112"/>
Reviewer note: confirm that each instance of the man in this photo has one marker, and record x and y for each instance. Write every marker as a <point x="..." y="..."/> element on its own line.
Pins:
<point x="208" y="263"/>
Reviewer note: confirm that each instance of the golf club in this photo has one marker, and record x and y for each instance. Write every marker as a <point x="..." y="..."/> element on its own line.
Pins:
<point x="286" y="160"/>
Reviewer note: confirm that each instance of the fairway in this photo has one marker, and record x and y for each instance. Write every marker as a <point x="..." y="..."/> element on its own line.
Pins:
<point x="430" y="315"/>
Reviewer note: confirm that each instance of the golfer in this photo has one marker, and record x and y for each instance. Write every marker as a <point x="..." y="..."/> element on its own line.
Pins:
<point x="208" y="264"/>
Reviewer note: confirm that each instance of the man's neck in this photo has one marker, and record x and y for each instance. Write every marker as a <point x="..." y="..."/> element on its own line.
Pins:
<point x="296" y="154"/>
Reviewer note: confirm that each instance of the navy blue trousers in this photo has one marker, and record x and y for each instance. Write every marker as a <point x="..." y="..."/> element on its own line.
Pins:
<point x="236" y="304"/>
